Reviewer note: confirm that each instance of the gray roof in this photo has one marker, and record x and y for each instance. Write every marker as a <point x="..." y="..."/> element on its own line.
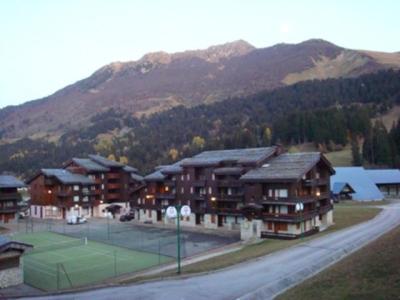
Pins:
<point x="130" y="169"/>
<point x="365" y="189"/>
<point x="338" y="187"/>
<point x="137" y="177"/>
<point x="7" y="181"/>
<point x="155" y="176"/>
<point x="67" y="177"/>
<point x="240" y="156"/>
<point x="384" y="176"/>
<point x="90" y="165"/>
<point x="105" y="161"/>
<point x="288" y="166"/>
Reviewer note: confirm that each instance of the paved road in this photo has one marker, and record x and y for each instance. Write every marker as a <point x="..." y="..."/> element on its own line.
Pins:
<point x="263" y="278"/>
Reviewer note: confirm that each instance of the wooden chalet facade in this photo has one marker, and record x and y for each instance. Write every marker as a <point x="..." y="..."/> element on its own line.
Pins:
<point x="115" y="184"/>
<point x="58" y="193"/>
<point x="87" y="187"/>
<point x="9" y="197"/>
<point x="224" y="188"/>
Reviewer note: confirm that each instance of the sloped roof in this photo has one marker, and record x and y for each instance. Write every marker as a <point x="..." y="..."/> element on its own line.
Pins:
<point x="288" y="166"/>
<point x="384" y="176"/>
<point x="67" y="177"/>
<point x="90" y="165"/>
<point x="365" y="189"/>
<point x="8" y="181"/>
<point x="240" y="156"/>
<point x="6" y="244"/>
<point x="105" y="161"/>
<point x="155" y="176"/>
<point x="137" y="177"/>
<point x="339" y="186"/>
<point x="130" y="169"/>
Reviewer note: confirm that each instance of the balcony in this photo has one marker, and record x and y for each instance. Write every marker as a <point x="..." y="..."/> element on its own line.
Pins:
<point x="199" y="183"/>
<point x="113" y="186"/>
<point x="64" y="194"/>
<point x="199" y="197"/>
<point x="228" y="211"/>
<point x="113" y="176"/>
<point x="113" y="196"/>
<point x="315" y="182"/>
<point x="10" y="196"/>
<point x="291" y="217"/>
<point x="9" y="209"/>
<point x="234" y="197"/>
<point x="228" y="183"/>
<point x="324" y="209"/>
<point x="165" y="196"/>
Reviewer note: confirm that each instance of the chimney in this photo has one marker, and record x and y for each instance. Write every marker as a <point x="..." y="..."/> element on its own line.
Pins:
<point x="279" y="149"/>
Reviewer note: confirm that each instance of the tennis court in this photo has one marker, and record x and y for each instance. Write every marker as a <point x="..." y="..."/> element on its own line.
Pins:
<point x="60" y="262"/>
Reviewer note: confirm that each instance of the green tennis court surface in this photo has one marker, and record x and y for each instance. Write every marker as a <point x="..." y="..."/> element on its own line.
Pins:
<point x="59" y="262"/>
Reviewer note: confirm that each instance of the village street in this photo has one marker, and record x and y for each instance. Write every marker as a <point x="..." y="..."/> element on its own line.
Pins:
<point x="263" y="278"/>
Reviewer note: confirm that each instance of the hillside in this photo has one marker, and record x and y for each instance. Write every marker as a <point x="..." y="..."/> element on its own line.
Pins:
<point x="329" y="114"/>
<point x="160" y="81"/>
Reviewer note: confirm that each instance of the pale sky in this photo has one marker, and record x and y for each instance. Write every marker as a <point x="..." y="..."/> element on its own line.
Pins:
<point x="48" y="44"/>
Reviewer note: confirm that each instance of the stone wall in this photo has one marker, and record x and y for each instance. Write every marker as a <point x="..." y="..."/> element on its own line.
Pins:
<point x="12" y="276"/>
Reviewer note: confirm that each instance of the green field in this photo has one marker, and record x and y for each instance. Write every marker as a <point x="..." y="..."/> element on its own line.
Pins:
<point x="61" y="262"/>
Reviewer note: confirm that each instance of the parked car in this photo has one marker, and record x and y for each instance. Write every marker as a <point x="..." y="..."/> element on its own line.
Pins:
<point x="127" y="217"/>
<point x="74" y="220"/>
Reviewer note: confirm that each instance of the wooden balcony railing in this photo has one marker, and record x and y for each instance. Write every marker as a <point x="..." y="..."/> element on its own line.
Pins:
<point x="229" y="183"/>
<point x="315" y="182"/>
<point x="199" y="197"/>
<point x="10" y="196"/>
<point x="295" y="217"/>
<point x="165" y="196"/>
<point x="234" y="197"/>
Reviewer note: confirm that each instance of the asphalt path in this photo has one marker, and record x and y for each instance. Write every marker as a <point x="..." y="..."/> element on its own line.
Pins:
<point x="263" y="278"/>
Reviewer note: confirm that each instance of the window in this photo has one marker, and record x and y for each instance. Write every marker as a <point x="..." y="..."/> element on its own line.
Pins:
<point x="102" y="186"/>
<point x="188" y="177"/>
<point x="282" y="193"/>
<point x="270" y="193"/>
<point x="213" y="176"/>
<point x="76" y="187"/>
<point x="317" y="176"/>
<point x="182" y="190"/>
<point x="154" y="201"/>
<point x="191" y="190"/>
<point x="102" y="175"/>
<point x="8" y="204"/>
<point x="210" y="190"/>
<point x="139" y="201"/>
<point x="182" y="177"/>
<point x="76" y="198"/>
<point x="85" y="199"/>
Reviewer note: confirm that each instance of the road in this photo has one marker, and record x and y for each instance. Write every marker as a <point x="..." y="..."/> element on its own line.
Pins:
<point x="263" y="278"/>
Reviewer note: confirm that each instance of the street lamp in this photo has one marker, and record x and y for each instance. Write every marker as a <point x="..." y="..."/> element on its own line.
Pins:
<point x="173" y="212"/>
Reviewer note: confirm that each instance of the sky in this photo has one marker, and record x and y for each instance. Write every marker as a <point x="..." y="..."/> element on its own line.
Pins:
<point x="46" y="44"/>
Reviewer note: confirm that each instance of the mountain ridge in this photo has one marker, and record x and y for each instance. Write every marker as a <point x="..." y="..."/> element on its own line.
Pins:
<point x="159" y="81"/>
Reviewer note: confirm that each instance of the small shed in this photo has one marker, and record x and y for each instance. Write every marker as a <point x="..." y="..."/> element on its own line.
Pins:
<point x="387" y="180"/>
<point x="342" y="191"/>
<point x="11" y="272"/>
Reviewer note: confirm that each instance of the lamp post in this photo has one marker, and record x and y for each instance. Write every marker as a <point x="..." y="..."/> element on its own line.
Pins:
<point x="173" y="212"/>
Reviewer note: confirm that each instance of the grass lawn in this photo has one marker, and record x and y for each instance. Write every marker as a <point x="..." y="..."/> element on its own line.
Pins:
<point x="370" y="273"/>
<point x="341" y="158"/>
<point x="344" y="216"/>
<point x="59" y="262"/>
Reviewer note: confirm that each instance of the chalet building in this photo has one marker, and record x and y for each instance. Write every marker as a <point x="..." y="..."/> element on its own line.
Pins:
<point x="274" y="191"/>
<point x="115" y="184"/>
<point x="9" y="197"/>
<point x="11" y="271"/>
<point x="58" y="193"/>
<point x="227" y="188"/>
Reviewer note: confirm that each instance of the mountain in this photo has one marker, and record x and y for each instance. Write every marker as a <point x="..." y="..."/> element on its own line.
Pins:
<point x="159" y="81"/>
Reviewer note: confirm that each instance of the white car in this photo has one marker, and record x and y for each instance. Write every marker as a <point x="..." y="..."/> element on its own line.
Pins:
<point x="73" y="220"/>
